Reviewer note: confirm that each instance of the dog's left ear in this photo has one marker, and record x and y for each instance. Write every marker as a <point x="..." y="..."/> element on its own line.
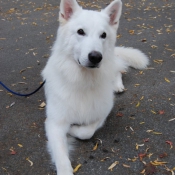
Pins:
<point x="114" y="10"/>
<point x="68" y="8"/>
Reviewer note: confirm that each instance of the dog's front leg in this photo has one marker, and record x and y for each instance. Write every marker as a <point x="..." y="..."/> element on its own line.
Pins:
<point x="57" y="145"/>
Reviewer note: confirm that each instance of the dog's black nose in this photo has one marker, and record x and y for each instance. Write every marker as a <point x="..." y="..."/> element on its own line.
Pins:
<point x="95" y="57"/>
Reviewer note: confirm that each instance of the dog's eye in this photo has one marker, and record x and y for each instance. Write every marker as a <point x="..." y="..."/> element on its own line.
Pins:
<point x="103" y="35"/>
<point x="81" y="32"/>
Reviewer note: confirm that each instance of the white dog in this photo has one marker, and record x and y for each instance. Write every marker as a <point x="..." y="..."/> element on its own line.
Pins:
<point x="82" y="74"/>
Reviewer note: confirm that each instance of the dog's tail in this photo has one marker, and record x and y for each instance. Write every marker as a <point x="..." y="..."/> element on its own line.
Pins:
<point x="133" y="57"/>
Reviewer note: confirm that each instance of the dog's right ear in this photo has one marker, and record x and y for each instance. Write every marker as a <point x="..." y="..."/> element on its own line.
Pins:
<point x="67" y="9"/>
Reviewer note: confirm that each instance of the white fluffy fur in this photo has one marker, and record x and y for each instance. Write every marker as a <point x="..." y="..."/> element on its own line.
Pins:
<point x="79" y="99"/>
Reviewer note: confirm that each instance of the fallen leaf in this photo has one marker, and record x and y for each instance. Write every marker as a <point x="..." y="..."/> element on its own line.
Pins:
<point x="131" y="32"/>
<point x="149" y="131"/>
<point x="166" y="79"/>
<point x="138" y="145"/>
<point x="153" y="112"/>
<point x="95" y="147"/>
<point x="154" y="46"/>
<point x="150" y="169"/>
<point x="173" y="55"/>
<point x="146" y="140"/>
<point x="143" y="171"/>
<point x="31" y="163"/>
<point x="141" y="123"/>
<point x="170" y="143"/>
<point x="42" y="105"/>
<point x="113" y="165"/>
<point x="13" y="152"/>
<point x="138" y="104"/>
<point x="126" y="166"/>
<point x="20" y="145"/>
<point x="77" y="168"/>
<point x="119" y="114"/>
<point x="163" y="155"/>
<point x="158" y="163"/>
<point x="144" y="40"/>
<point x="157" y="133"/>
<point x="158" y="61"/>
<point x="142" y="98"/>
<point x="171" y="119"/>
<point x="104" y="159"/>
<point x="142" y="155"/>
<point x="161" y="112"/>
<point x="133" y="160"/>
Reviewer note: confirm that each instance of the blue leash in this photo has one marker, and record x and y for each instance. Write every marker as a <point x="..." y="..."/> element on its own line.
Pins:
<point x="25" y="95"/>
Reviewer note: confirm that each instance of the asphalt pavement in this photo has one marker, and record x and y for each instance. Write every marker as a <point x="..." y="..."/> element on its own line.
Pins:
<point x="139" y="134"/>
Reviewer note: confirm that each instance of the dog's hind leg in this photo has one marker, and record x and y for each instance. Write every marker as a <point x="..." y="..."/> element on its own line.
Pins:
<point x="84" y="132"/>
<point x="58" y="146"/>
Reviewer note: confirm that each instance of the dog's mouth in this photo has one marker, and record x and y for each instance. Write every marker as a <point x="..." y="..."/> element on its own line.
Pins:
<point x="89" y="66"/>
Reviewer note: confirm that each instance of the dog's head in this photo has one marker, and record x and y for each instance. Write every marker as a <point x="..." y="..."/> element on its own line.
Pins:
<point x="90" y="35"/>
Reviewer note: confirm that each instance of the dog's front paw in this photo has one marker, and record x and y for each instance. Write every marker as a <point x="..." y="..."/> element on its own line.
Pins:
<point x="119" y="87"/>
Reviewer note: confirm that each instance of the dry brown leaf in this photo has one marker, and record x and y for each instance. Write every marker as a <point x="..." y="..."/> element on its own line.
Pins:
<point x="131" y="32"/>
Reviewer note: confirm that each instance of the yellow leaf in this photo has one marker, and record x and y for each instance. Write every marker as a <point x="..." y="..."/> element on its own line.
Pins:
<point x="142" y="123"/>
<point x="76" y="168"/>
<point x="95" y="147"/>
<point x="20" y="145"/>
<point x="157" y="133"/>
<point x="138" y="104"/>
<point x="131" y="32"/>
<point x="166" y="79"/>
<point x="158" y="163"/>
<point x="113" y="165"/>
<point x="153" y="112"/>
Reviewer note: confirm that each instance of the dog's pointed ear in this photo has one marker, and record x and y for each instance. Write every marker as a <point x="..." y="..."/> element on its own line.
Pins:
<point x="114" y="10"/>
<point x="67" y="8"/>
